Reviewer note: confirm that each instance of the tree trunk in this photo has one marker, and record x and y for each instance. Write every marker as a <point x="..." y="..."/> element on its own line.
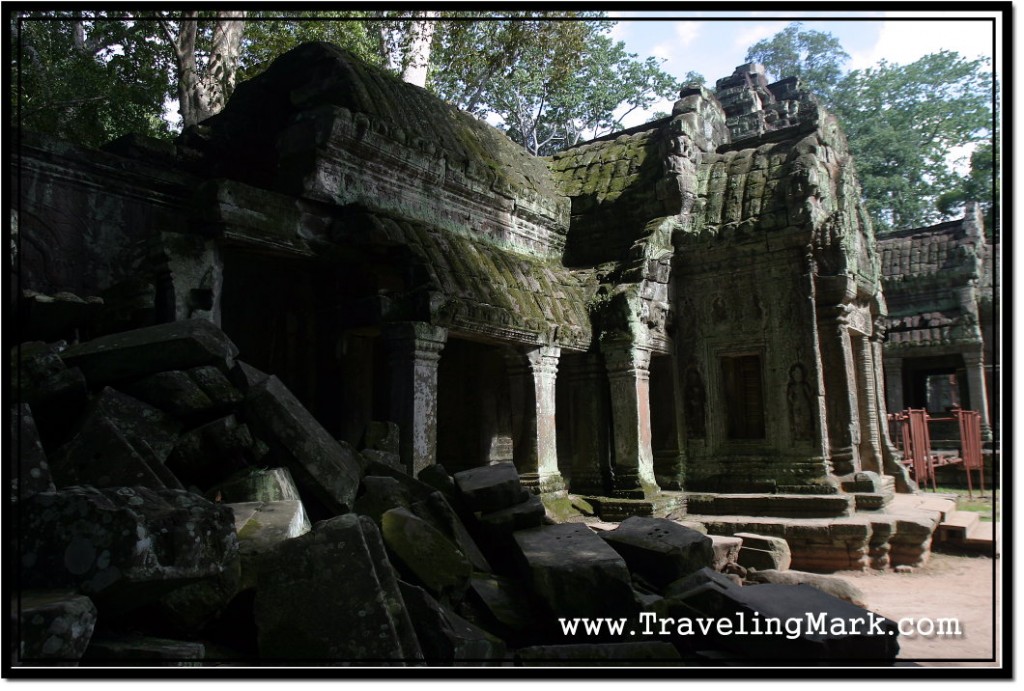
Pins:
<point x="222" y="68"/>
<point x="417" y="57"/>
<point x="203" y="91"/>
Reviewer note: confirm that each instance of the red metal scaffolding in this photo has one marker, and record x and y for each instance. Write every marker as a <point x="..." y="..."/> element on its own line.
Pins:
<point x="912" y="437"/>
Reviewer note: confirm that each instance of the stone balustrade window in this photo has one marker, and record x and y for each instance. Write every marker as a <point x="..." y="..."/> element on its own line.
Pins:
<point x="744" y="396"/>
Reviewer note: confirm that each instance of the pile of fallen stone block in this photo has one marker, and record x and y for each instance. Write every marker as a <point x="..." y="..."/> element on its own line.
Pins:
<point x="175" y="506"/>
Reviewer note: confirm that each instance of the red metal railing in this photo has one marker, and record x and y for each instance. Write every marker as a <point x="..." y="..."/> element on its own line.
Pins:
<point x="913" y="439"/>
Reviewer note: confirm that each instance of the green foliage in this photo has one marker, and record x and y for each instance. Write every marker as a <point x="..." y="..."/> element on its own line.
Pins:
<point x="694" y="78"/>
<point x="816" y="57"/>
<point x="561" y="82"/>
<point x="904" y="122"/>
<point x="979" y="185"/>
<point x="88" y="79"/>
<point x="267" y="38"/>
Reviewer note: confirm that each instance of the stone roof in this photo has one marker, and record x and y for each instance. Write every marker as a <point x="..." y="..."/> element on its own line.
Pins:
<point x="485" y="290"/>
<point x="740" y="188"/>
<point x="927" y="274"/>
<point x="282" y="129"/>
<point x="613" y="187"/>
<point x="917" y="252"/>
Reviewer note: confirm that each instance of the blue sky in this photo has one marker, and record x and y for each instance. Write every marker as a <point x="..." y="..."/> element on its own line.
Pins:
<point x="715" y="43"/>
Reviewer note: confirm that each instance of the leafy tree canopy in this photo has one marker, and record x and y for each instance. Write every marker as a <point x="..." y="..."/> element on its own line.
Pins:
<point x="904" y="123"/>
<point x="89" y="80"/>
<point x="816" y="57"/>
<point x="552" y="78"/>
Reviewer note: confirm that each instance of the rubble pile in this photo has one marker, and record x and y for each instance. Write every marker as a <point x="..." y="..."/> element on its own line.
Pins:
<point x="176" y="506"/>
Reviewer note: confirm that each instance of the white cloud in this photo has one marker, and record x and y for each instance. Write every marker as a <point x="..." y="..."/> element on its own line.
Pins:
<point x="903" y="42"/>
<point x="688" y="32"/>
<point x="748" y="37"/>
<point x="664" y="51"/>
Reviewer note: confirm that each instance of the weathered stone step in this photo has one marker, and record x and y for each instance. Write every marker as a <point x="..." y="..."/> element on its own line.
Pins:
<point x="956" y="526"/>
<point x="776" y="505"/>
<point x="877" y="540"/>
<point x="981" y="534"/>
<point x="871" y="501"/>
<point x="939" y="504"/>
<point x="616" y="509"/>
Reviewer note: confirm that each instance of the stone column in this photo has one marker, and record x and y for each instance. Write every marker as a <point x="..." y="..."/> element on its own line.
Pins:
<point x="975" y="365"/>
<point x="894" y="384"/>
<point x="532" y="387"/>
<point x="585" y="375"/>
<point x="870" y="446"/>
<point x="628" y="368"/>
<point x="840" y="377"/>
<point x="892" y="380"/>
<point x="414" y="351"/>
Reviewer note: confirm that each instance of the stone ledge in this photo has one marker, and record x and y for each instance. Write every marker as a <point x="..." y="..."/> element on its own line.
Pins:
<point x="777" y="505"/>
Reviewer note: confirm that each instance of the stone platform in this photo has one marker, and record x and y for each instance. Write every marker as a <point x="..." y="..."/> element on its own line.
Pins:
<point x="616" y="509"/>
<point x="899" y="534"/>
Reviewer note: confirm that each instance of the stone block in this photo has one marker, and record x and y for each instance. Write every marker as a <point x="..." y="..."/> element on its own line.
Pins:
<point x="660" y="550"/>
<point x="173" y="391"/>
<point x="30" y="473"/>
<point x="726" y="549"/>
<point x="260" y="527"/>
<point x="445" y="637"/>
<point x="186" y="610"/>
<point x="837" y="587"/>
<point x="381" y="436"/>
<point x="331" y="596"/>
<point x="436" y="510"/>
<point x="866" y="481"/>
<point x="425" y="553"/>
<point x="325" y="470"/>
<point x="392" y="460"/>
<point x="696" y="580"/>
<point x="575" y="572"/>
<point x="45" y="383"/>
<point x="380" y="495"/>
<point x="212" y="453"/>
<point x="101" y="455"/>
<point x="142" y="424"/>
<point x="437" y="477"/>
<point x="123" y="547"/>
<point x="490" y="487"/>
<point x="528" y="514"/>
<point x="172" y="346"/>
<point x="53" y="626"/>
<point x="511" y="610"/>
<point x="598" y="654"/>
<point x="764" y="552"/>
<point x="244" y="376"/>
<point x="143" y="651"/>
<point x="256" y="484"/>
<point x="753" y="621"/>
<point x="217" y="387"/>
<point x="411" y="487"/>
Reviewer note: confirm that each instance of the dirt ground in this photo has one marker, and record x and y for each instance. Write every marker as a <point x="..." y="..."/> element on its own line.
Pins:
<point x="947" y="586"/>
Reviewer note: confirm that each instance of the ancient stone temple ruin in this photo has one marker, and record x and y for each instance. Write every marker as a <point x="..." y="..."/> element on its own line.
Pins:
<point x="343" y="281"/>
<point x="939" y="287"/>
<point x="691" y="304"/>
